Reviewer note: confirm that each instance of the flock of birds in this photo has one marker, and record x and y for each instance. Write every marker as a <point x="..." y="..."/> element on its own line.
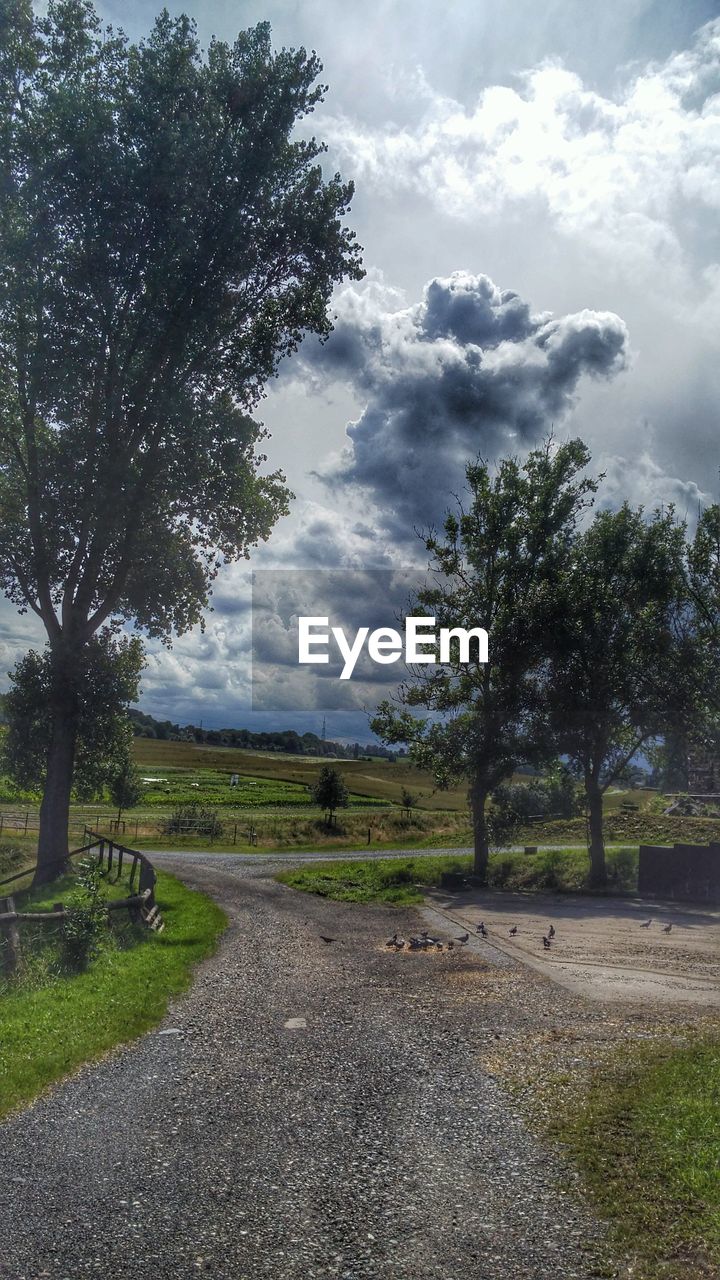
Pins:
<point x="426" y="942"/>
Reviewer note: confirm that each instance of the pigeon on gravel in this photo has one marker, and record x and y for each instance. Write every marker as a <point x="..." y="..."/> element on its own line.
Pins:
<point x="327" y="940"/>
<point x="481" y="929"/>
<point x="646" y="923"/>
<point x="513" y="931"/>
<point x="551" y="932"/>
<point x="391" y="942"/>
<point x="547" y="943"/>
<point x="667" y="928"/>
<point x="463" y="937"/>
<point x="450" y="945"/>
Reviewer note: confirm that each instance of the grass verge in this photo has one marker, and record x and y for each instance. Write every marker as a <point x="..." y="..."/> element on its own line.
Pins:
<point x="403" y="881"/>
<point x="647" y="1140"/>
<point x="49" y="1031"/>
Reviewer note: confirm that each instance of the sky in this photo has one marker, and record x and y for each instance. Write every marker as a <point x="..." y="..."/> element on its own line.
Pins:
<point x="538" y="198"/>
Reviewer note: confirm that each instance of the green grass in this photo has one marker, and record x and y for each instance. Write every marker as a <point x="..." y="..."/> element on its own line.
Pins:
<point x="403" y="881"/>
<point x="51" y="1029"/>
<point x="647" y="1140"/>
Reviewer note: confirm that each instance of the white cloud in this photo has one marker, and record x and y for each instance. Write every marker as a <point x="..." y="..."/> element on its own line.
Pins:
<point x="615" y="171"/>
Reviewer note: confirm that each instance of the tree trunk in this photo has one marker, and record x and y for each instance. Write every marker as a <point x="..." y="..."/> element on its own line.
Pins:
<point x="55" y="808"/>
<point x="478" y="798"/>
<point x="598" y="869"/>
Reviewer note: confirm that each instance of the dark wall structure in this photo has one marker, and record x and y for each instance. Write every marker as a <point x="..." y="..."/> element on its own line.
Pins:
<point x="684" y="873"/>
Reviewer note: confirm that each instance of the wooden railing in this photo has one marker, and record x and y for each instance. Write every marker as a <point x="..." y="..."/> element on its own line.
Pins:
<point x="140" y="905"/>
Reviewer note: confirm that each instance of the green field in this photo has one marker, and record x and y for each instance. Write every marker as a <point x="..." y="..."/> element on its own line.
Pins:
<point x="373" y="780"/>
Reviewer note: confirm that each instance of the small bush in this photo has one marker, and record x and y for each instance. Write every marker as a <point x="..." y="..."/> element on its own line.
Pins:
<point x="11" y="857"/>
<point x="192" y="819"/>
<point x="87" y="923"/>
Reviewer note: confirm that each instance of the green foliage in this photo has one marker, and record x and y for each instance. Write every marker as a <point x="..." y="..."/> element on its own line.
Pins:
<point x="195" y="818"/>
<point x="403" y="882"/>
<point x="330" y="792"/>
<point x="50" y="1030"/>
<point x="12" y="857"/>
<point x="626" y="657"/>
<point x="497" y="566"/>
<point x="126" y="789"/>
<point x="553" y="796"/>
<point x="87" y="922"/>
<point x="167" y="237"/>
<point x="151" y="282"/>
<point x="102" y="682"/>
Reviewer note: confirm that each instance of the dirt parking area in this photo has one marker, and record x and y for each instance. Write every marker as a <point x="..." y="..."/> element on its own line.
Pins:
<point x="602" y="948"/>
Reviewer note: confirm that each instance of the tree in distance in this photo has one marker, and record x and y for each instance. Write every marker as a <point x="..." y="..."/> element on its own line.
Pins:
<point x="126" y="789"/>
<point x="165" y="239"/>
<point x="497" y="566"/>
<point x="330" y="792"/>
<point x="628" y="661"/>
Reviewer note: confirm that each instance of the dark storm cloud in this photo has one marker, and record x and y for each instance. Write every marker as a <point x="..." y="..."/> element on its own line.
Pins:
<point x="470" y="370"/>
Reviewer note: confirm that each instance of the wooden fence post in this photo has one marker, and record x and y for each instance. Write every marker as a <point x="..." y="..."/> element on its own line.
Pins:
<point x="11" y="939"/>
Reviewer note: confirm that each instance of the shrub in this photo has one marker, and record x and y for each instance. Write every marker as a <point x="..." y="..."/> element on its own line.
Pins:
<point x="11" y="857"/>
<point x="86" y="923"/>
<point x="192" y="819"/>
<point x="556" y="796"/>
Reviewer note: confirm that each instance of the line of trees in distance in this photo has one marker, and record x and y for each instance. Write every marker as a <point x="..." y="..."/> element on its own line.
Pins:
<point x="289" y="741"/>
<point x="604" y="636"/>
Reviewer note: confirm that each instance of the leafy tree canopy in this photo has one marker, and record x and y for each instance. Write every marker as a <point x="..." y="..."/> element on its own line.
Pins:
<point x="164" y="240"/>
<point x="497" y="567"/>
<point x="106" y="680"/>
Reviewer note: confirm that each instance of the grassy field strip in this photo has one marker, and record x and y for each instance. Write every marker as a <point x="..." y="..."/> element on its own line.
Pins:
<point x="403" y="881"/>
<point x="647" y="1139"/>
<point x="51" y="1030"/>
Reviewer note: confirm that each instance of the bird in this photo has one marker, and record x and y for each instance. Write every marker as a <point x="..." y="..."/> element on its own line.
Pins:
<point x="513" y="931"/>
<point x="391" y="942"/>
<point x="551" y="932"/>
<point x="450" y="945"/>
<point x="399" y="943"/>
<point x="481" y="929"/>
<point x="667" y="927"/>
<point x="327" y="940"/>
<point x="546" y="943"/>
<point x="463" y="937"/>
<point x="646" y="923"/>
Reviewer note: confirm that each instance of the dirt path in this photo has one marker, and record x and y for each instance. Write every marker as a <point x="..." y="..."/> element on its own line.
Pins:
<point x="308" y="1110"/>
<point x="607" y="949"/>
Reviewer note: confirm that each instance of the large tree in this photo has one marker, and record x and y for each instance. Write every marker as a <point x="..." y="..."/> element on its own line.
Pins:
<point x="165" y="238"/>
<point x="497" y="567"/>
<point x="628" y="662"/>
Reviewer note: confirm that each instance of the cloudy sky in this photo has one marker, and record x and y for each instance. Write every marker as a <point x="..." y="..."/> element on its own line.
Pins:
<point x="538" y="197"/>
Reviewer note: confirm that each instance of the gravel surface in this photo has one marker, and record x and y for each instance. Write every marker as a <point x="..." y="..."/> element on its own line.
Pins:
<point x="307" y="1110"/>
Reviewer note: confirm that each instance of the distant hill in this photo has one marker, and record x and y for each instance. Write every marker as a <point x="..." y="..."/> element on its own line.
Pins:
<point x="286" y="740"/>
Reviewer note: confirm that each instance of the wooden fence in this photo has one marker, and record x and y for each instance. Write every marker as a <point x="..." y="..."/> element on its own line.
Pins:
<point x="111" y="856"/>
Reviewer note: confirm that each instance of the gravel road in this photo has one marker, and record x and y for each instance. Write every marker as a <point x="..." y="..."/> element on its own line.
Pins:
<point x="307" y="1110"/>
